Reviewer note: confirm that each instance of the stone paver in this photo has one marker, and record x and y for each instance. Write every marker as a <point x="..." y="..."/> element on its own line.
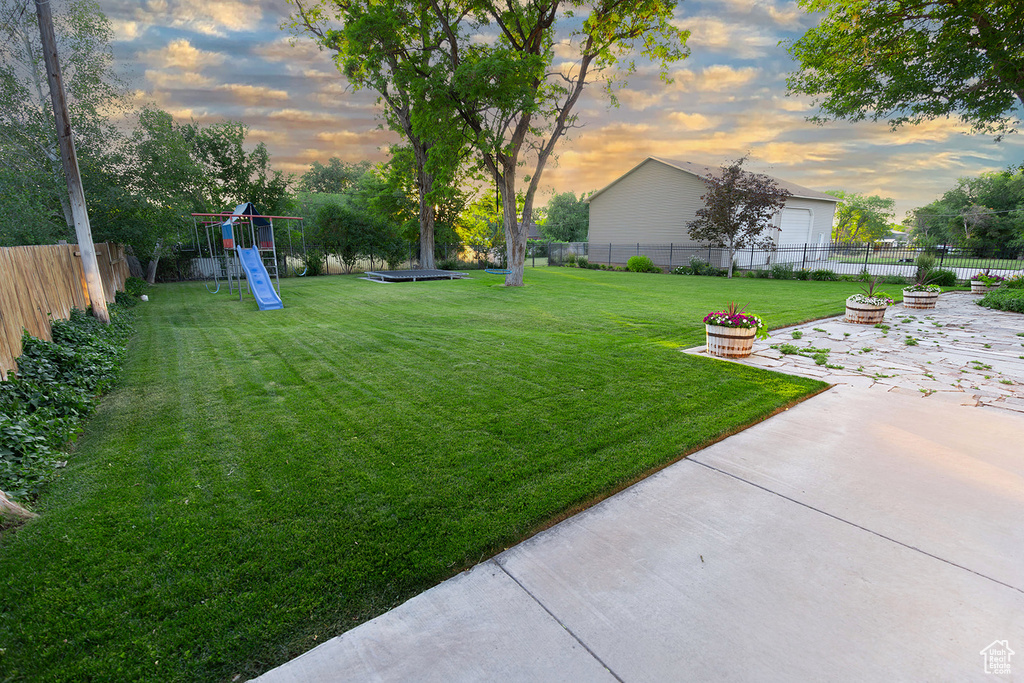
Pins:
<point x="959" y="348"/>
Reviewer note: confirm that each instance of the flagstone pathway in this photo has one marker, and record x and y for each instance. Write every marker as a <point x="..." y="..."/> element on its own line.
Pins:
<point x="958" y="352"/>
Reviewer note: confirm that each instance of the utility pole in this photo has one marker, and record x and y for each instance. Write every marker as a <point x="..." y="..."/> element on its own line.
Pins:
<point x="79" y="212"/>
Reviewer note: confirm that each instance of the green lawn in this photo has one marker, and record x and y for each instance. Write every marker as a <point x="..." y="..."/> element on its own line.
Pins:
<point x="261" y="482"/>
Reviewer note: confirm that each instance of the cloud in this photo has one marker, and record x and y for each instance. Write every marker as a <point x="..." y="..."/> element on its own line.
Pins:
<point x="691" y="121"/>
<point x="251" y="94"/>
<point x="746" y="41"/>
<point x="180" y="54"/>
<point x="126" y="31"/>
<point x="163" y="80"/>
<point x="714" y="79"/>
<point x="786" y="152"/>
<point x="342" y="138"/>
<point x="789" y="15"/>
<point x="208" y="17"/>
<point x="933" y="131"/>
<point x="300" y="116"/>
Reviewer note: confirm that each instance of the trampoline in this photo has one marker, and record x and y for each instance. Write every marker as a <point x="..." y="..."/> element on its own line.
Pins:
<point x="412" y="275"/>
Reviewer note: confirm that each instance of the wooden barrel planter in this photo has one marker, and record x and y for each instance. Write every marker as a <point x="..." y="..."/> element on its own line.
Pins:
<point x="979" y="287"/>
<point x="919" y="299"/>
<point x="865" y="314"/>
<point x="730" y="342"/>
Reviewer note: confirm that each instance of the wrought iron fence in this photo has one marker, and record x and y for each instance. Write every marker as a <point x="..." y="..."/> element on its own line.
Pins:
<point x="842" y="258"/>
<point x="877" y="258"/>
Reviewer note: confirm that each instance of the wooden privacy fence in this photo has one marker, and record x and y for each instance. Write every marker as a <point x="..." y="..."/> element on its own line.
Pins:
<point x="44" y="282"/>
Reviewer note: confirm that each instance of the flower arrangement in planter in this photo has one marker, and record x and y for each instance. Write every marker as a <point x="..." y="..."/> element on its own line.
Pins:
<point x="983" y="282"/>
<point x="921" y="294"/>
<point x="867" y="308"/>
<point x="731" y="333"/>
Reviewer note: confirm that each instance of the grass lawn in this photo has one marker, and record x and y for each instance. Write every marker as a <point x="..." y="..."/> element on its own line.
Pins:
<point x="260" y="482"/>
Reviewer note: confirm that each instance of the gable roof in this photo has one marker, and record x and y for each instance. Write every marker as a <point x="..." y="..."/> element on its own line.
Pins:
<point x="708" y="172"/>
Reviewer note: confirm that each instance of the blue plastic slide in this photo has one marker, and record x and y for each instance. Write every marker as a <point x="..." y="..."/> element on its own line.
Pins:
<point x="259" y="280"/>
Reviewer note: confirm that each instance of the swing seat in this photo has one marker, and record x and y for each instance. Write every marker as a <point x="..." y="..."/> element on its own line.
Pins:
<point x="498" y="271"/>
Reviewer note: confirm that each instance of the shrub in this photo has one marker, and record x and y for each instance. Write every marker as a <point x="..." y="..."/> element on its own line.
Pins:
<point x="823" y="274"/>
<point x="681" y="270"/>
<point x="1016" y="282"/>
<point x="448" y="264"/>
<point x="642" y="264"/>
<point x="802" y="274"/>
<point x="942" y="277"/>
<point x="782" y="271"/>
<point x="762" y="274"/>
<point x="925" y="265"/>
<point x="699" y="266"/>
<point x="135" y="286"/>
<point x="54" y="389"/>
<point x="583" y="262"/>
<point x="570" y="259"/>
<point x="313" y="260"/>
<point x="125" y="299"/>
<point x="1004" y="300"/>
<point x="892" y="279"/>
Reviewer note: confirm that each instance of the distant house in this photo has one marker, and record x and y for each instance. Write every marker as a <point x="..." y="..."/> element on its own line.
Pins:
<point x="653" y="202"/>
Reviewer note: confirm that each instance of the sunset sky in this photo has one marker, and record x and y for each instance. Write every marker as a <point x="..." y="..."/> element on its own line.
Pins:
<point x="211" y="60"/>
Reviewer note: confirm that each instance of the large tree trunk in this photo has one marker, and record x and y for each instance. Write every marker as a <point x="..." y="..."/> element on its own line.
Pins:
<point x="11" y="510"/>
<point x="151" y="270"/>
<point x="424" y="186"/>
<point x="426" y="225"/>
<point x="515" y="231"/>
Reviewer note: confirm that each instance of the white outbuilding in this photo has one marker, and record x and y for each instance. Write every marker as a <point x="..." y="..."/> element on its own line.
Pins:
<point x="653" y="203"/>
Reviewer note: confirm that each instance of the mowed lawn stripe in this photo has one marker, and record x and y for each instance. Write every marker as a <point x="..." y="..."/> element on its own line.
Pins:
<point x="262" y="481"/>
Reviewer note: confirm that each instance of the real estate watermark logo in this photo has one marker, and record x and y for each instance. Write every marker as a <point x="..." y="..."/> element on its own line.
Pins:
<point x="997" y="657"/>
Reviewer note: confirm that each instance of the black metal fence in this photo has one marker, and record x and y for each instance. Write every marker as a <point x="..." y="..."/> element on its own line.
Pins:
<point x="878" y="258"/>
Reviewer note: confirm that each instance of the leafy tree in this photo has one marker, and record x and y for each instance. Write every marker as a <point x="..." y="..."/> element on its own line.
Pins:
<point x="337" y="177"/>
<point x="344" y="233"/>
<point x="206" y="168"/>
<point x="568" y="218"/>
<point x="190" y="168"/>
<point x="480" y="223"/>
<point x="982" y="214"/>
<point x="912" y="60"/>
<point x="490" y="67"/>
<point x="738" y="207"/>
<point x="34" y="201"/>
<point x="861" y="218"/>
<point x="499" y="74"/>
<point x="388" y="47"/>
<point x="392" y="197"/>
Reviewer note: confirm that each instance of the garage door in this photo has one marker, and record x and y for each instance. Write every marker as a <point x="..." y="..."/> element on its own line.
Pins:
<point x="796" y="226"/>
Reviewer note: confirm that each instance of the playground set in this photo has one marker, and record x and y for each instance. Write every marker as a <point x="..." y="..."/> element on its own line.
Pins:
<point x="232" y="260"/>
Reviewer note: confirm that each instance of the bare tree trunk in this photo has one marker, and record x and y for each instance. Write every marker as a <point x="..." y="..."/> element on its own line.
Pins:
<point x="151" y="270"/>
<point x="515" y="233"/>
<point x="10" y="509"/>
<point x="425" y="184"/>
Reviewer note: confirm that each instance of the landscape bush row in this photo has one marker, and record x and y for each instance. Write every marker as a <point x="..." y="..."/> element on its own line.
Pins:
<point x="55" y="388"/>
<point x="779" y="271"/>
<point x="1008" y="297"/>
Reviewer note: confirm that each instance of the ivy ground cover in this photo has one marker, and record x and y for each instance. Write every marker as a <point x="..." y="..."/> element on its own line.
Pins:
<point x="262" y="481"/>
